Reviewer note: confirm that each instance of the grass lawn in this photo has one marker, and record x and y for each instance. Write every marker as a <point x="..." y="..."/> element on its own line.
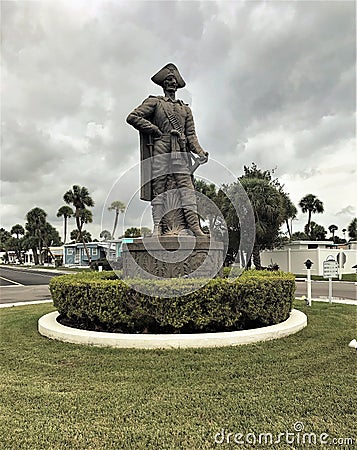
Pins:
<point x="65" y="396"/>
<point x="345" y="277"/>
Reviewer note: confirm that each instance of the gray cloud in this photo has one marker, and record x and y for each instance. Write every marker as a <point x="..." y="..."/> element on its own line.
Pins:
<point x="270" y="82"/>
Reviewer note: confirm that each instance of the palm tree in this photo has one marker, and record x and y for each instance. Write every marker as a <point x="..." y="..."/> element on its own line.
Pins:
<point x="118" y="207"/>
<point x="66" y="212"/>
<point x="79" y="197"/>
<point x="289" y="209"/>
<point x="268" y="209"/>
<point x="86" y="216"/>
<point x="352" y="229"/>
<point x="132" y="232"/>
<point x="36" y="222"/>
<point x="18" y="230"/>
<point x="317" y="232"/>
<point x="39" y="234"/>
<point x="105" y="235"/>
<point x="311" y="204"/>
<point x="332" y="228"/>
<point x="86" y="236"/>
<point x="145" y="231"/>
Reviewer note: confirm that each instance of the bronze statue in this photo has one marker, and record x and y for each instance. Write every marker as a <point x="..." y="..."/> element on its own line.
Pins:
<point x="167" y="141"/>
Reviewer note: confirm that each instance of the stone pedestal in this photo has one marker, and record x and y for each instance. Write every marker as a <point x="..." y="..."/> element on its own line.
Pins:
<point x="173" y="257"/>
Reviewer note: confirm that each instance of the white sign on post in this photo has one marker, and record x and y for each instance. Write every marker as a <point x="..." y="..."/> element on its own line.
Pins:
<point x="330" y="269"/>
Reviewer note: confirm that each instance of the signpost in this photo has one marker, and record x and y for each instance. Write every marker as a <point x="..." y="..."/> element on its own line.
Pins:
<point x="330" y="270"/>
<point x="308" y="265"/>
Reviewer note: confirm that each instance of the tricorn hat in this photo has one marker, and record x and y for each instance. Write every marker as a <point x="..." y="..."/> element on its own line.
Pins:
<point x="162" y="74"/>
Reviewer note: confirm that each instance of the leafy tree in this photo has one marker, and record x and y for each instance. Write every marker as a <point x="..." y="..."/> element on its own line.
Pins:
<point x="271" y="204"/>
<point x="76" y="236"/>
<point x="310" y="204"/>
<point x="51" y="237"/>
<point x="86" y="216"/>
<point x="299" y="236"/>
<point x="18" y="230"/>
<point x="17" y="242"/>
<point x="4" y="238"/>
<point x="105" y="235"/>
<point x="39" y="234"/>
<point x="352" y="229"/>
<point x="67" y="213"/>
<point x="217" y="225"/>
<point x="36" y="221"/>
<point x="208" y="190"/>
<point x="316" y="232"/>
<point x="332" y="229"/>
<point x="5" y="242"/>
<point x="145" y="231"/>
<point x="118" y="207"/>
<point x="269" y="215"/>
<point x="289" y="210"/>
<point x="132" y="232"/>
<point x="272" y="207"/>
<point x="79" y="197"/>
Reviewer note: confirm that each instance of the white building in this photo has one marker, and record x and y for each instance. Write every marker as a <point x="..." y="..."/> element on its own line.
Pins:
<point x="292" y="257"/>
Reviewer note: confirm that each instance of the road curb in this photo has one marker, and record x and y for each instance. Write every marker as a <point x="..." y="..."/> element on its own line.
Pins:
<point x="30" y="269"/>
<point x="49" y="327"/>
<point x="35" y="302"/>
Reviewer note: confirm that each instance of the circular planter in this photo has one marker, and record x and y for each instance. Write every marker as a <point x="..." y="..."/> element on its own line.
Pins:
<point x="49" y="327"/>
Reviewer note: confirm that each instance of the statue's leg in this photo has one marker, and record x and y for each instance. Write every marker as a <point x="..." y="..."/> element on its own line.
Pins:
<point x="191" y="216"/>
<point x="159" y="179"/>
<point x="188" y="202"/>
<point x="157" y="210"/>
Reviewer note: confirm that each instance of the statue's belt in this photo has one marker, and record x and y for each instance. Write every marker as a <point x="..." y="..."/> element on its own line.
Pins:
<point x="177" y="141"/>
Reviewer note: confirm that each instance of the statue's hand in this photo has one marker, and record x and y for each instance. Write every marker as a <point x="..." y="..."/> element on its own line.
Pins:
<point x="203" y="158"/>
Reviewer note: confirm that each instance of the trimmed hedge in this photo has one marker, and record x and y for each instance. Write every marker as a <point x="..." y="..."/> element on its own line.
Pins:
<point x="100" y="301"/>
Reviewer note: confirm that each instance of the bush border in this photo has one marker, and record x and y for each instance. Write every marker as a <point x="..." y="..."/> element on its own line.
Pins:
<point x="99" y="303"/>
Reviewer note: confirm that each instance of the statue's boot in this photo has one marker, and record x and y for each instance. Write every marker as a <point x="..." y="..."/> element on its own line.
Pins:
<point x="192" y="220"/>
<point x="156" y="216"/>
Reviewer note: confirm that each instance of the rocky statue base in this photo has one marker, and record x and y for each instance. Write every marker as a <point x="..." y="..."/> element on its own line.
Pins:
<point x="173" y="257"/>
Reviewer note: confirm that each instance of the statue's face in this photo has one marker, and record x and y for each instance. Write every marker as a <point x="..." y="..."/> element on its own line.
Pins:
<point x="170" y="84"/>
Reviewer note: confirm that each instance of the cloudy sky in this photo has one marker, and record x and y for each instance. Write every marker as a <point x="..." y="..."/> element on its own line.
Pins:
<point x="269" y="82"/>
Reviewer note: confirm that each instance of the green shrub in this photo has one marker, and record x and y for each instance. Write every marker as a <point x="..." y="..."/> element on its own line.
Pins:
<point x="94" y="265"/>
<point x="101" y="301"/>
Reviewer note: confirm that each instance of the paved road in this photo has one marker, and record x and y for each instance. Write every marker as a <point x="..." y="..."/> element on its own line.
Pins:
<point x="16" y="277"/>
<point x="340" y="289"/>
<point x="18" y="285"/>
<point x="21" y="285"/>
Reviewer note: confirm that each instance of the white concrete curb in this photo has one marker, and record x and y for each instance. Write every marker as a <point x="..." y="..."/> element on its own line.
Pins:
<point x="35" y="302"/>
<point x="49" y="327"/>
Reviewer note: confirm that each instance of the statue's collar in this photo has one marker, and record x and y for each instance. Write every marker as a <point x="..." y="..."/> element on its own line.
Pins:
<point x="168" y="99"/>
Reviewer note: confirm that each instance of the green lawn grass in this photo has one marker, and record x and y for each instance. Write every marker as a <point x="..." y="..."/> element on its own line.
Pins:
<point x="65" y="396"/>
<point x="345" y="277"/>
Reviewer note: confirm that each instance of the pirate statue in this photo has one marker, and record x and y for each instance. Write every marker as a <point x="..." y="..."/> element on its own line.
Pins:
<point x="167" y="141"/>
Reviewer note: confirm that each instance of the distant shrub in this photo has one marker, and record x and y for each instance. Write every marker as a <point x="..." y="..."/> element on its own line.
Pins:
<point x="100" y="301"/>
<point x="94" y="265"/>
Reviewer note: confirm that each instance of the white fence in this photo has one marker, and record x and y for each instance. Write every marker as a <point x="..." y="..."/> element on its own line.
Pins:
<point x="292" y="260"/>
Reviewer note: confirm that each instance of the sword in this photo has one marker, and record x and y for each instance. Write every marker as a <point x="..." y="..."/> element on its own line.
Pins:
<point x="150" y="145"/>
<point x="196" y="163"/>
